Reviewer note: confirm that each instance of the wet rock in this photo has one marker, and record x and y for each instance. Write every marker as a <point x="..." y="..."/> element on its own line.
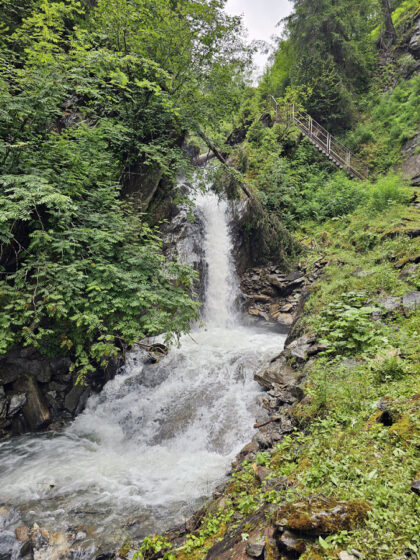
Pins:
<point x="8" y="373"/>
<point x="411" y="301"/>
<point x="106" y="556"/>
<point x="285" y="319"/>
<point x="16" y="404"/>
<point x="76" y="399"/>
<point x="255" y="547"/>
<point x="292" y="544"/>
<point x="22" y="533"/>
<point x="319" y="517"/>
<point x="278" y="375"/>
<point x="249" y="449"/>
<point x="301" y="348"/>
<point x="9" y="546"/>
<point x="35" y="410"/>
<point x="294" y="276"/>
<point x="415" y="486"/>
<point x="3" y="403"/>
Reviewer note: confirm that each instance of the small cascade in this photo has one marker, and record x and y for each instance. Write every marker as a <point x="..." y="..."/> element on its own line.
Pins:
<point x="151" y="447"/>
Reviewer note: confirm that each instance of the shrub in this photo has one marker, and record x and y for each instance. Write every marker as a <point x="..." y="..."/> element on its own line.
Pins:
<point x="388" y="190"/>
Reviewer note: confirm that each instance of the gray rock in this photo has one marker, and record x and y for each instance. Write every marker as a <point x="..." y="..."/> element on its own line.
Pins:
<point x="285" y="319"/>
<point x="44" y="375"/>
<point x="301" y="348"/>
<point x="293" y="276"/>
<point x="278" y="373"/>
<point x="414" y="45"/>
<point x="415" y="486"/>
<point x="289" y="542"/>
<point x="408" y="272"/>
<point x="8" y="373"/>
<point x="57" y="387"/>
<point x="346" y="556"/>
<point x="76" y="398"/>
<point x="35" y="410"/>
<point x="363" y="273"/>
<point x="411" y="301"/>
<point x="16" y="404"/>
<point x="255" y="547"/>
<point x="389" y="303"/>
<point x="3" y="403"/>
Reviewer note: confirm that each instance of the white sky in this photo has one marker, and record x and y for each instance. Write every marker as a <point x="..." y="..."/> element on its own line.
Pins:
<point x="260" y="18"/>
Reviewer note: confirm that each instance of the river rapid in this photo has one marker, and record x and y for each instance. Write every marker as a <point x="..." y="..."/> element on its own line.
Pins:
<point x="157" y="440"/>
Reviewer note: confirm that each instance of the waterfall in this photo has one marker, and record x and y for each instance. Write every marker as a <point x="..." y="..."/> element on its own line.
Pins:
<point x="151" y="447"/>
<point x="222" y="288"/>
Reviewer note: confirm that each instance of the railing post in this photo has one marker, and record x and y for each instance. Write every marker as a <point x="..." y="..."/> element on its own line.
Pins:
<point x="310" y="125"/>
<point x="328" y="142"/>
<point x="348" y="159"/>
<point x="293" y="111"/>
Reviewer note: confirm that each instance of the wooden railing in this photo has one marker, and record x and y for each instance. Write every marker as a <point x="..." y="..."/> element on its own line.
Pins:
<point x="326" y="142"/>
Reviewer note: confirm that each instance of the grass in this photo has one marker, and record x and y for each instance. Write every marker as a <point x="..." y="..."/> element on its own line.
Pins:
<point x="341" y="449"/>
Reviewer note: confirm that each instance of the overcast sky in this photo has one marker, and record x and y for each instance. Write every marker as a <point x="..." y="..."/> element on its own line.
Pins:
<point x="260" y="18"/>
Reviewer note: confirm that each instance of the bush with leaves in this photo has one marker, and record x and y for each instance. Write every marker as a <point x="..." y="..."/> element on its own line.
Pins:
<point x="346" y="325"/>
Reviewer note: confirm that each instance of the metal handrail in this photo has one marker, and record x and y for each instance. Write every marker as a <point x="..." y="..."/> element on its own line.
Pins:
<point x="325" y="141"/>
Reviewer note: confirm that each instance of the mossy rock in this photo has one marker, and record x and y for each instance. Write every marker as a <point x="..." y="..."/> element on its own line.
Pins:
<point x="321" y="517"/>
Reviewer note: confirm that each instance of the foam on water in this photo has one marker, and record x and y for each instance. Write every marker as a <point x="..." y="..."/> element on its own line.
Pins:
<point x="159" y="437"/>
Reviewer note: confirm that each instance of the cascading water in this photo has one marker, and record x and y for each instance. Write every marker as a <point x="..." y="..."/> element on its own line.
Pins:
<point x="159" y="437"/>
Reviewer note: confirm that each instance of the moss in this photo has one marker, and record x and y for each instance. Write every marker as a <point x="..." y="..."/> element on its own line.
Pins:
<point x="322" y="517"/>
<point x="404" y="429"/>
<point x="311" y="554"/>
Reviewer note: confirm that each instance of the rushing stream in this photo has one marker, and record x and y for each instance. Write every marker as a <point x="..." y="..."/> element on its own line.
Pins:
<point x="158" y="439"/>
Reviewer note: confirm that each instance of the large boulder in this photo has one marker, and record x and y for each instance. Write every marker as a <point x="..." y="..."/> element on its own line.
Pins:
<point x="278" y="375"/>
<point x="414" y="45"/>
<point x="318" y="517"/>
<point x="411" y="301"/>
<point x="35" y="410"/>
<point x="16" y="404"/>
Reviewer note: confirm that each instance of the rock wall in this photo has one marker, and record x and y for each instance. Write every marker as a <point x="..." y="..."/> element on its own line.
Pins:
<point x="38" y="393"/>
<point x="275" y="298"/>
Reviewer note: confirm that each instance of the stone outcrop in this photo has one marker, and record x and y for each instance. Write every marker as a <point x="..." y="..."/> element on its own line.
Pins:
<point x="273" y="297"/>
<point x="182" y="238"/>
<point x="38" y="392"/>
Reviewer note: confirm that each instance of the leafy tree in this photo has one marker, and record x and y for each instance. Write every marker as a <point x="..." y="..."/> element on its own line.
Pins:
<point x="90" y="93"/>
<point x="333" y="54"/>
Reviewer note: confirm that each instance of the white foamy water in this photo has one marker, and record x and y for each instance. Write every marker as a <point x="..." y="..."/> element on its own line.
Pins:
<point x="159" y="437"/>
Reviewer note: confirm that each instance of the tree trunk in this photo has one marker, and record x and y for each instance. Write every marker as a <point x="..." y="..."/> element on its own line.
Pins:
<point x="390" y="33"/>
<point x="220" y="157"/>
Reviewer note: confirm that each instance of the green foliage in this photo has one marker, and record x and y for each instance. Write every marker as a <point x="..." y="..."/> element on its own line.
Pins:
<point x="392" y="118"/>
<point x="346" y="325"/>
<point x="95" y="101"/>
<point x="154" y="545"/>
<point x="388" y="368"/>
